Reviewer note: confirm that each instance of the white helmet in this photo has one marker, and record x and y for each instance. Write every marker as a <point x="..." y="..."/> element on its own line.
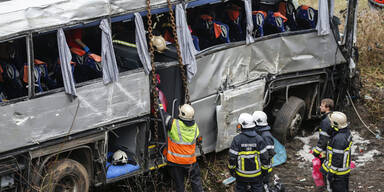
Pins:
<point x="338" y="120"/>
<point x="159" y="43"/>
<point x="119" y="157"/>
<point x="186" y="112"/>
<point x="246" y="121"/>
<point x="260" y="118"/>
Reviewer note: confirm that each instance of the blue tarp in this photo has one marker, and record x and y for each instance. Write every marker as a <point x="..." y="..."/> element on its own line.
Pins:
<point x="281" y="154"/>
<point x="119" y="170"/>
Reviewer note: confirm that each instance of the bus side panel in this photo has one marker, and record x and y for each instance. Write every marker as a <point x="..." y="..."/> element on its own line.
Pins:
<point x="51" y="116"/>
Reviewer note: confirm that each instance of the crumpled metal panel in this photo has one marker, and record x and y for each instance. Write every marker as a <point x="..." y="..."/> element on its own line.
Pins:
<point x="205" y="117"/>
<point x="41" y="119"/>
<point x="244" y="99"/>
<point x="282" y="54"/>
<point x="220" y="69"/>
<point x="293" y="53"/>
<point x="21" y="15"/>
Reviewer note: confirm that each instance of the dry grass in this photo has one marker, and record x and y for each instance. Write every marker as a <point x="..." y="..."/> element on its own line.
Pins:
<point x="370" y="41"/>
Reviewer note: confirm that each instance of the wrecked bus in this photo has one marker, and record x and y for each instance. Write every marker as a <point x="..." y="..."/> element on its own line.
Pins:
<point x="66" y="111"/>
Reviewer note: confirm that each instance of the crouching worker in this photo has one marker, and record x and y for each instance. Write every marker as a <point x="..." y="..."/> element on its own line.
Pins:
<point x="180" y="154"/>
<point x="336" y="166"/>
<point x="248" y="156"/>
<point x="263" y="130"/>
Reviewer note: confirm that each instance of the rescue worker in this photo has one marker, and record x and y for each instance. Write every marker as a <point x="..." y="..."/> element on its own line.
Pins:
<point x="180" y="154"/>
<point x="326" y="107"/>
<point x="263" y="130"/>
<point x="248" y="156"/>
<point x="336" y="166"/>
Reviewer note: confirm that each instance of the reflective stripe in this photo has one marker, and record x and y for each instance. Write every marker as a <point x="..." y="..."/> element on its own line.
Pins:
<point x="248" y="172"/>
<point x="338" y="151"/>
<point x="233" y="152"/>
<point x="330" y="159"/>
<point x="349" y="146"/>
<point x="347" y="164"/>
<point x="124" y="43"/>
<point x="248" y="175"/>
<point x="345" y="159"/>
<point x="327" y="165"/>
<point x="242" y="155"/>
<point x="270" y="147"/>
<point x="181" y="138"/>
<point x="265" y="167"/>
<point x="248" y="152"/>
<point x="178" y="131"/>
<point x="179" y="155"/>
<point x="339" y="169"/>
<point x="231" y="166"/>
<point x="317" y="149"/>
<point x="257" y="163"/>
<point x="248" y="156"/>
<point x="263" y="150"/>
<point x="324" y="133"/>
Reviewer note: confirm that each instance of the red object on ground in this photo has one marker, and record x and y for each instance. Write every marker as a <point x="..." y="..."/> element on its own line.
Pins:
<point x="316" y="174"/>
<point x="353" y="165"/>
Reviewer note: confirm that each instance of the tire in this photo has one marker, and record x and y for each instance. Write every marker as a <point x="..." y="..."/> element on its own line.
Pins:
<point x="65" y="175"/>
<point x="288" y="119"/>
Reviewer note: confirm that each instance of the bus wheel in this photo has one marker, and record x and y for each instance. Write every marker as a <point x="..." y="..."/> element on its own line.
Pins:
<point x="65" y="175"/>
<point x="288" y="119"/>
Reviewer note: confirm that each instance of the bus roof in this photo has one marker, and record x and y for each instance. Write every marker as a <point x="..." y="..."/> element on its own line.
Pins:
<point x="20" y="17"/>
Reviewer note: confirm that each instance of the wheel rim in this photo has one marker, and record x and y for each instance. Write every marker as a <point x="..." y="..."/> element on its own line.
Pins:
<point x="295" y="125"/>
<point x="68" y="183"/>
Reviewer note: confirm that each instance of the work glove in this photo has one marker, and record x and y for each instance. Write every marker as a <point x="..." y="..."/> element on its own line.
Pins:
<point x="86" y="49"/>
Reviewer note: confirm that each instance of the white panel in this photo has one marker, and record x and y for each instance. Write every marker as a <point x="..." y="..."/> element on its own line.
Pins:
<point x="244" y="99"/>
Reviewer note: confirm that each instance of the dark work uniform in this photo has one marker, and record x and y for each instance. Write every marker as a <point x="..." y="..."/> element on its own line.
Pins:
<point x="336" y="166"/>
<point x="265" y="133"/>
<point x="248" y="158"/>
<point x="325" y="133"/>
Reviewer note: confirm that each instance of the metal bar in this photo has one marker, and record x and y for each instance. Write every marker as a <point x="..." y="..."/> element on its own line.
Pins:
<point x="350" y="27"/>
<point x="30" y="58"/>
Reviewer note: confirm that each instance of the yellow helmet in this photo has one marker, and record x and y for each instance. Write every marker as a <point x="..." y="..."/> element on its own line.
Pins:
<point x="159" y="43"/>
<point x="186" y="112"/>
<point x="338" y="120"/>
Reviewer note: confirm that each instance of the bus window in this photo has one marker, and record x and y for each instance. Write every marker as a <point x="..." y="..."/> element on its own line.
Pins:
<point x="13" y="56"/>
<point x="85" y="46"/>
<point x="123" y="39"/>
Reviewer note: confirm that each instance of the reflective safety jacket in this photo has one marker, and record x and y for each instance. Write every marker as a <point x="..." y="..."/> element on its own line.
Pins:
<point x="338" y="154"/>
<point x="265" y="133"/>
<point x="248" y="156"/>
<point x="182" y="143"/>
<point x="325" y="133"/>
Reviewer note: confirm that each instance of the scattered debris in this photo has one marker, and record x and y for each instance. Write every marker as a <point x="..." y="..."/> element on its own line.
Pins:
<point x="368" y="97"/>
<point x="360" y="151"/>
<point x="303" y="154"/>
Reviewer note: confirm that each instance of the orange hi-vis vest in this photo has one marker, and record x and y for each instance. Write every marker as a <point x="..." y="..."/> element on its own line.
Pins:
<point x="182" y="143"/>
